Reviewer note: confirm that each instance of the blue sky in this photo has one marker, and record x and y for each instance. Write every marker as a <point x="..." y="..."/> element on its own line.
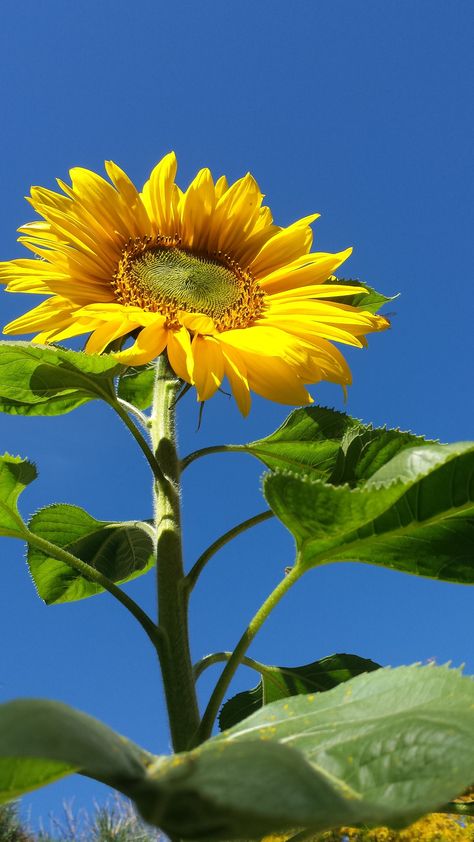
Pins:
<point x="359" y="111"/>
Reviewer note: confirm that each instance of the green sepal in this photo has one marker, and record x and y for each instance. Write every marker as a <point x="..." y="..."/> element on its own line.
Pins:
<point x="136" y="386"/>
<point x="121" y="551"/>
<point x="45" y="380"/>
<point x="415" y="514"/>
<point x="15" y="474"/>
<point x="282" y="682"/>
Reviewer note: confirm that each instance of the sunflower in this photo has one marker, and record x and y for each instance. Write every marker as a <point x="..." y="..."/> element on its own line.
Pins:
<point x="203" y="275"/>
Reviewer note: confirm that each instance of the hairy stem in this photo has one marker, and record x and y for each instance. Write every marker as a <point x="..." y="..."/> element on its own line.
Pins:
<point x="198" y="567"/>
<point x="176" y="664"/>
<point x="219" y="657"/>
<point x="142" y="419"/>
<point x="206" y="451"/>
<point x="117" y="405"/>
<point x="205" y="729"/>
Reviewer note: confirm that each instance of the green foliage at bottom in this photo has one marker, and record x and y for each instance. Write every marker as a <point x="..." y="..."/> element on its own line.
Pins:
<point x="383" y="748"/>
<point x="116" y="821"/>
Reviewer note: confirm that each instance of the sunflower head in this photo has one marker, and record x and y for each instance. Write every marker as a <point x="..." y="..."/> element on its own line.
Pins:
<point x="203" y="275"/>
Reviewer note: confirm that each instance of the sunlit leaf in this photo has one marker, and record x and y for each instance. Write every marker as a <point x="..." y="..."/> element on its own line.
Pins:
<point x="40" y="380"/>
<point x="309" y="440"/>
<point x="380" y="749"/>
<point x="416" y="514"/>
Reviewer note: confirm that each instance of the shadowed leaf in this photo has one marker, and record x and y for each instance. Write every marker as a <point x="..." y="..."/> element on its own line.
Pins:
<point x="330" y="445"/>
<point x="121" y="551"/>
<point x="281" y="682"/>
<point x="136" y="386"/>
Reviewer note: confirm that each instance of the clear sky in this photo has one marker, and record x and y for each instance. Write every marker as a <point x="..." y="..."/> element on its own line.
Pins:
<point x="358" y="110"/>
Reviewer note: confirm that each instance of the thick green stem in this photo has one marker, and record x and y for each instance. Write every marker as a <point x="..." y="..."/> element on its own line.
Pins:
<point x="176" y="664"/>
<point x="205" y="729"/>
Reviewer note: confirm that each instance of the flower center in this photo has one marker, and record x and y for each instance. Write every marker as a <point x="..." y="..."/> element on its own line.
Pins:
<point x="159" y="275"/>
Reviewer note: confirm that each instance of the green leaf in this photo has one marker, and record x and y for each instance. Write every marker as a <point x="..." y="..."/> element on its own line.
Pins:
<point x="121" y="551"/>
<point x="326" y="444"/>
<point x="415" y="514"/>
<point x="381" y="749"/>
<point x="309" y="440"/>
<point x="40" y="380"/>
<point x="370" y="300"/>
<point x="41" y="741"/>
<point x="136" y="386"/>
<point x="281" y="682"/>
<point x="15" y="474"/>
<point x="364" y="450"/>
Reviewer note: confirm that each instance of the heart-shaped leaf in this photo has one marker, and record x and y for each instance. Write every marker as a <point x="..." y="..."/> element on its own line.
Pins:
<point x="281" y="682"/>
<point x="121" y="551"/>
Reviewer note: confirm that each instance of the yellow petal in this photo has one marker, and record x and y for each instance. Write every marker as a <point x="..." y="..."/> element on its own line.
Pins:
<point x="236" y="373"/>
<point x="197" y="322"/>
<point x="131" y="198"/>
<point x="284" y="247"/>
<point x="274" y="379"/>
<point x="150" y="342"/>
<point x="196" y="208"/>
<point x="180" y="353"/>
<point x="221" y="186"/>
<point x="317" y="291"/>
<point x="308" y="269"/>
<point x="105" y="334"/>
<point x="160" y="196"/>
<point x="53" y="313"/>
<point x="208" y="370"/>
<point x="305" y="328"/>
<point x="112" y="312"/>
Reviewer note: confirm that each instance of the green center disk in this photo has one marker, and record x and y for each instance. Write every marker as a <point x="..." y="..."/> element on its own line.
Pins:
<point x="194" y="283"/>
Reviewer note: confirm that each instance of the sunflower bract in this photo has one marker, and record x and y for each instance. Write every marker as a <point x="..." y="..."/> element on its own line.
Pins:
<point x="204" y="276"/>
